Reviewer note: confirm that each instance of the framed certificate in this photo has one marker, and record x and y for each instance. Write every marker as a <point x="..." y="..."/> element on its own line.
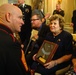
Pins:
<point x="46" y="52"/>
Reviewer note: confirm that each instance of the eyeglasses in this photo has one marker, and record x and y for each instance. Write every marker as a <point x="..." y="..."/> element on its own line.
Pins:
<point x="34" y="19"/>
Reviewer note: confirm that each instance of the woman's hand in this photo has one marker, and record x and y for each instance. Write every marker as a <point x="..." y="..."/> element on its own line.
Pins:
<point x="50" y="64"/>
<point x="47" y="15"/>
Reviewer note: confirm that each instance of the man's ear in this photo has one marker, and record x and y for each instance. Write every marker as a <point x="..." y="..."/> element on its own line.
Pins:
<point x="8" y="17"/>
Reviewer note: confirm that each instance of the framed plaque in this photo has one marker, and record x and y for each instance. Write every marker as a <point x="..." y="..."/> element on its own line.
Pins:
<point x="46" y="52"/>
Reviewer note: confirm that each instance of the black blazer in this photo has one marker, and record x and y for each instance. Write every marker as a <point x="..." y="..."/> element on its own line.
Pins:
<point x="59" y="12"/>
<point x="26" y="10"/>
<point x="26" y="28"/>
<point x="42" y="33"/>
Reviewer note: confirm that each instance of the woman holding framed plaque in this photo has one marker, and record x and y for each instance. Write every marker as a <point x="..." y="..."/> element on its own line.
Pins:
<point x="62" y="56"/>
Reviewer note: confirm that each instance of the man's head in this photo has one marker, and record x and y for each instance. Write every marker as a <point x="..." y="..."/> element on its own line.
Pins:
<point x="21" y="1"/>
<point x="36" y="20"/>
<point x="58" y="7"/>
<point x="11" y="16"/>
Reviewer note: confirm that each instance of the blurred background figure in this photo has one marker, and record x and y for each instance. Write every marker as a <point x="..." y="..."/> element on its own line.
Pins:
<point x="38" y="7"/>
<point x="26" y="28"/>
<point x="73" y="24"/>
<point x="58" y="10"/>
<point x="72" y="70"/>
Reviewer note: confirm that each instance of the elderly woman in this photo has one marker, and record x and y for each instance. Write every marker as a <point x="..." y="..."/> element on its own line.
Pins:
<point x="62" y="57"/>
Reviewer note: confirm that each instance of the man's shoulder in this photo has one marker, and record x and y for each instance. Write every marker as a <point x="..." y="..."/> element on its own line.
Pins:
<point x="27" y="5"/>
<point x="66" y="34"/>
<point x="62" y="10"/>
<point x="54" y="10"/>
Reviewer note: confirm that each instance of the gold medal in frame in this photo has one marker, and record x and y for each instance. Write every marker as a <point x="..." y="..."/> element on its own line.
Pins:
<point x="46" y="52"/>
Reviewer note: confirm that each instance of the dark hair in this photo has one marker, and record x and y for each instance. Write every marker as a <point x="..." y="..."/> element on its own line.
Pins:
<point x="59" y="18"/>
<point x="38" y="13"/>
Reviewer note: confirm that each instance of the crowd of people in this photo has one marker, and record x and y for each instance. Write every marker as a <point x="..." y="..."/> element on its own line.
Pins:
<point x="19" y="58"/>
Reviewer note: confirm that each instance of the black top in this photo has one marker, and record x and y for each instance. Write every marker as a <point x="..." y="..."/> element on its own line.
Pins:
<point x="61" y="12"/>
<point x="64" y="41"/>
<point x="74" y="21"/>
<point x="10" y="53"/>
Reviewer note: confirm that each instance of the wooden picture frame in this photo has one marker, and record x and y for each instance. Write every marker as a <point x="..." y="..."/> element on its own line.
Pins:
<point x="46" y="52"/>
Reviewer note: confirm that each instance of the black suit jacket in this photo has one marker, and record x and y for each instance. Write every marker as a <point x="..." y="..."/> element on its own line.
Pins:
<point x="34" y="46"/>
<point x="26" y="10"/>
<point x="26" y="28"/>
<point x="59" y="12"/>
<point x="42" y="33"/>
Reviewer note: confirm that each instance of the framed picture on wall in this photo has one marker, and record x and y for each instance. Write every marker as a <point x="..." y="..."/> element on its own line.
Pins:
<point x="46" y="52"/>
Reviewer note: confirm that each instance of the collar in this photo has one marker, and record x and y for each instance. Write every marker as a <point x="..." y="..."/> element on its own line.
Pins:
<point x="6" y="29"/>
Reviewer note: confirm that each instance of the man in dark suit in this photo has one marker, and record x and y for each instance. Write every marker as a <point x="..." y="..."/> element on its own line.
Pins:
<point x="26" y="28"/>
<point x="36" y="39"/>
<point x="58" y="10"/>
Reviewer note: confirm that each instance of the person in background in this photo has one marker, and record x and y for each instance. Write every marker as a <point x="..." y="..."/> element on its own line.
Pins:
<point x="58" y="10"/>
<point x="74" y="60"/>
<point x="12" y="60"/>
<point x="42" y="29"/>
<point x="73" y="24"/>
<point x="62" y="57"/>
<point x="26" y="28"/>
<point x="72" y="70"/>
<point x="37" y="8"/>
